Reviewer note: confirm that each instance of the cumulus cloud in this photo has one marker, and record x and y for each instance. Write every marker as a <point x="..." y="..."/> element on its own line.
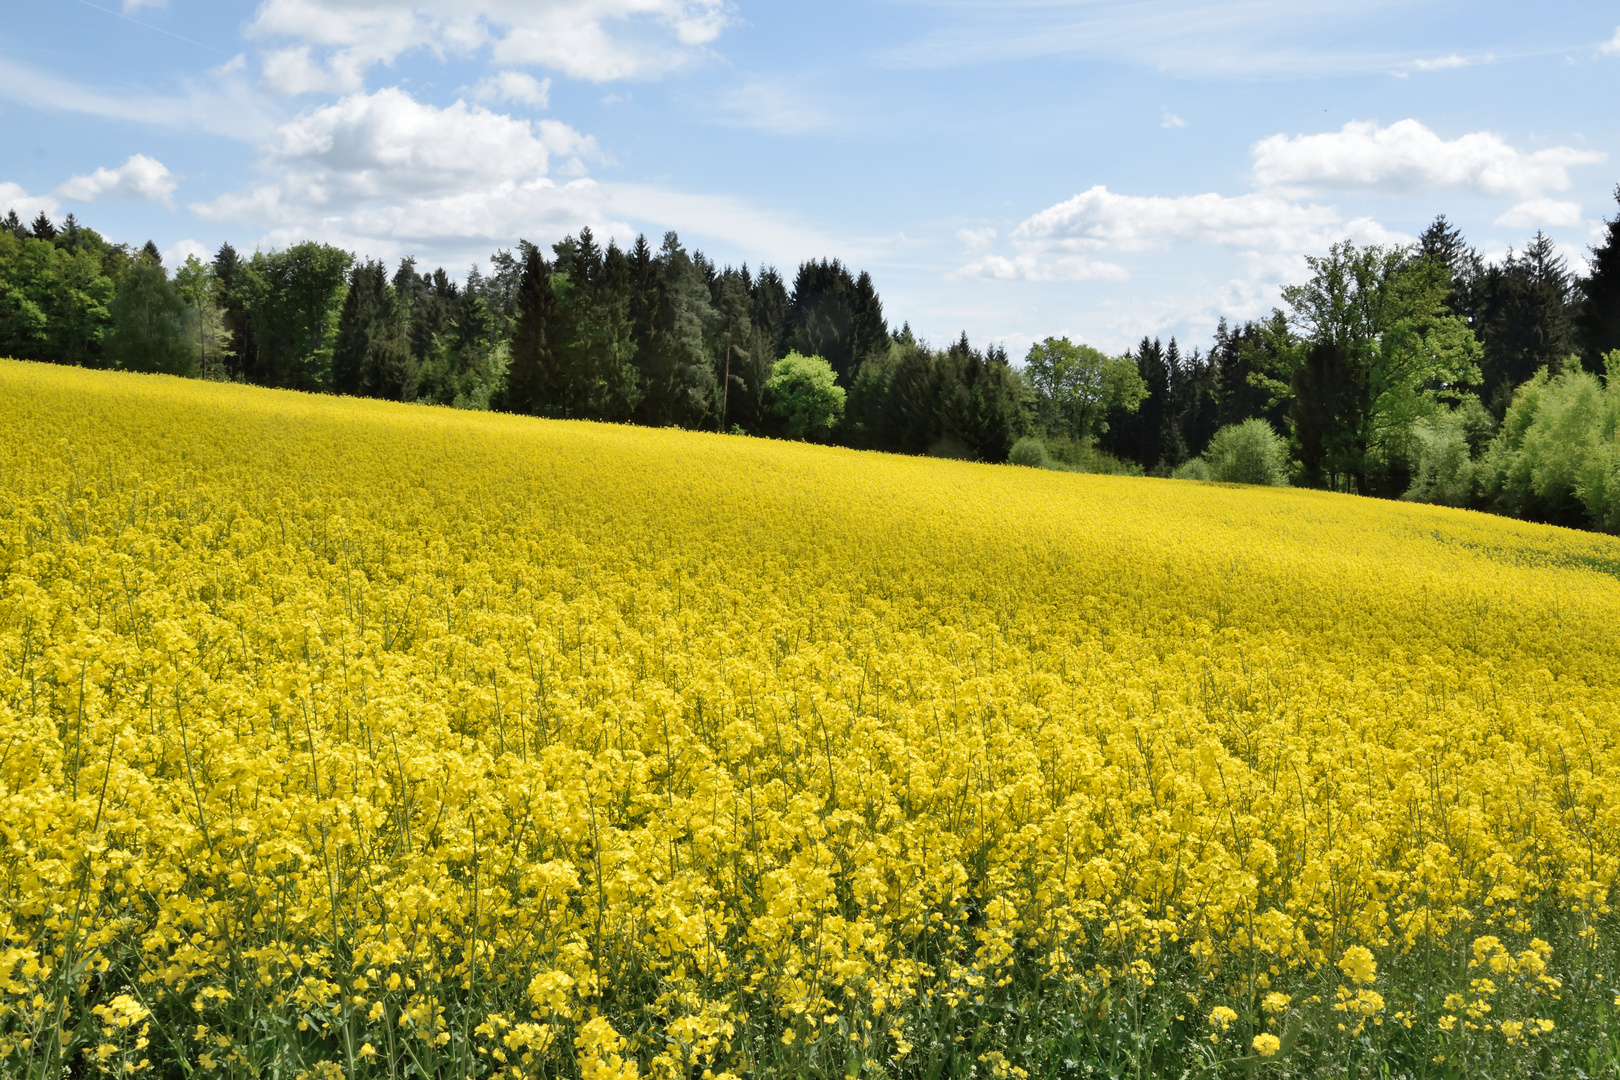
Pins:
<point x="14" y="197"/>
<point x="1099" y="218"/>
<point x="514" y="87"/>
<point x="1062" y="241"/>
<point x="1553" y="212"/>
<point x="1406" y="156"/>
<point x="140" y="177"/>
<point x="387" y="175"/>
<point x="330" y="44"/>
<point x="185" y="249"/>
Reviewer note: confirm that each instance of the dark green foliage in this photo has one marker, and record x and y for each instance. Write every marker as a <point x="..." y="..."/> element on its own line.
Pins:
<point x="532" y="377"/>
<point x="231" y="274"/>
<point x="1330" y="399"/>
<point x="672" y="322"/>
<point x="13" y="224"/>
<point x="148" y="323"/>
<point x="43" y="229"/>
<point x="1597" y="322"/>
<point x="371" y="356"/>
<point x="836" y="316"/>
<point x="293" y="299"/>
<point x="594" y="348"/>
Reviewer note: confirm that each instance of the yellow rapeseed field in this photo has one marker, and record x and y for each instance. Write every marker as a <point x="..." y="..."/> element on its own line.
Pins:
<point x="341" y="738"/>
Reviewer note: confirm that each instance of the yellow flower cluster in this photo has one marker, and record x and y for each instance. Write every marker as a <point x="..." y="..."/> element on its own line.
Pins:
<point x="336" y="735"/>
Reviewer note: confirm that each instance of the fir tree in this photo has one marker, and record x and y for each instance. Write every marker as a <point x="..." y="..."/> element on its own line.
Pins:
<point x="531" y="375"/>
<point x="43" y="229"/>
<point x="371" y="357"/>
<point x="1597" y="321"/>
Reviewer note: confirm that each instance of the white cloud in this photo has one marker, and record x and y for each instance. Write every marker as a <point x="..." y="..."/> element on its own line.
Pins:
<point x="1407" y="157"/>
<point x="1442" y="63"/>
<point x="140" y="177"/>
<point x="1612" y="46"/>
<point x="28" y="207"/>
<point x="1099" y="218"/>
<point x="1171" y="120"/>
<point x="132" y="6"/>
<point x="1269" y="230"/>
<point x="383" y="174"/>
<point x="976" y="239"/>
<point x="516" y="87"/>
<point x="1553" y="212"/>
<point x="1034" y="266"/>
<point x="332" y="43"/>
<point x="183" y="250"/>
<point x="226" y="105"/>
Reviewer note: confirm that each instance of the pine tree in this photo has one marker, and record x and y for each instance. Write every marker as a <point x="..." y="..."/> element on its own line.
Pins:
<point x="239" y="345"/>
<point x="13" y="224"/>
<point x="43" y="229"/>
<point x="823" y="315"/>
<point x="371" y="356"/>
<point x="1597" y="321"/>
<point x="871" y="332"/>
<point x="531" y="376"/>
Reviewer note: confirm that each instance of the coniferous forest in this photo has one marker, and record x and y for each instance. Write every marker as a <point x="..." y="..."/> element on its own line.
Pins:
<point x="1427" y="373"/>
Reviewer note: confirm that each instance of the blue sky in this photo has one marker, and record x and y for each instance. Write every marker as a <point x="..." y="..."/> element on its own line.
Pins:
<point x="1095" y="168"/>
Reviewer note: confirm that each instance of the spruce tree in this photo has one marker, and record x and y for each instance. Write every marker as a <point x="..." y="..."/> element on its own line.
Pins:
<point x="43" y="229"/>
<point x="1597" y="320"/>
<point x="239" y="346"/>
<point x="530" y="377"/>
<point x="13" y="224"/>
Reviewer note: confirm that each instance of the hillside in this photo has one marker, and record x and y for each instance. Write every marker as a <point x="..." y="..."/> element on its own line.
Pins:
<point x="342" y="735"/>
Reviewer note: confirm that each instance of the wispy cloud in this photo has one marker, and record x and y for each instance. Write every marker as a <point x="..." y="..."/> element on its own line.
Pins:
<point x="1612" y="46"/>
<point x="224" y="105"/>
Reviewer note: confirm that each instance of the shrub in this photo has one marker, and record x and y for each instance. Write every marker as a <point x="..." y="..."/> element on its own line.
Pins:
<point x="1248" y="453"/>
<point x="1194" y="469"/>
<point x="805" y="395"/>
<point x="1030" y="451"/>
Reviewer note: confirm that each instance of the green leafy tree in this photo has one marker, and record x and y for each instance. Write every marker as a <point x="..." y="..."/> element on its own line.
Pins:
<point x="1375" y="345"/>
<point x="1075" y="386"/>
<point x="1248" y="453"/>
<point x="209" y="337"/>
<point x="149" y="331"/>
<point x="805" y="396"/>
<point x="294" y="298"/>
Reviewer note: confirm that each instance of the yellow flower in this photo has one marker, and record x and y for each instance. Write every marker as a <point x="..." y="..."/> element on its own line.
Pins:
<point x="1358" y="964"/>
<point x="1266" y="1044"/>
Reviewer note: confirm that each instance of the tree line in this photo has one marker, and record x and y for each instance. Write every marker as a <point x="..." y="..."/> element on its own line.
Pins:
<point x="1426" y="372"/>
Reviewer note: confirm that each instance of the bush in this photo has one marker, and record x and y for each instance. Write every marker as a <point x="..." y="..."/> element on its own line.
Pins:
<point x="1248" y="453"/>
<point x="1031" y="452"/>
<point x="805" y="395"/>
<point x="1195" y="469"/>
<point x="1557" y="456"/>
<point x="1446" y="446"/>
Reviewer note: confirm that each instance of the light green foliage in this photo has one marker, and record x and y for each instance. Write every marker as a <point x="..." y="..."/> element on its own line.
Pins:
<point x="1192" y="469"/>
<point x="805" y="395"/>
<point x="1029" y="451"/>
<point x="1075" y="386"/>
<point x="1558" y="453"/>
<point x="199" y="291"/>
<point x="1248" y="453"/>
<point x="1445" y="446"/>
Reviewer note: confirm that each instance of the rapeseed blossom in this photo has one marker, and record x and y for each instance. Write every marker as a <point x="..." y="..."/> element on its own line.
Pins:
<point x="342" y="738"/>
